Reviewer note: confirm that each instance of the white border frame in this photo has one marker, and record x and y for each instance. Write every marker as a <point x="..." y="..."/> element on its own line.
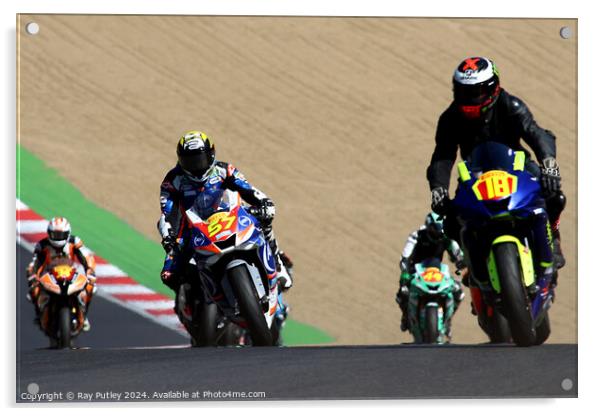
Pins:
<point x="589" y="145"/>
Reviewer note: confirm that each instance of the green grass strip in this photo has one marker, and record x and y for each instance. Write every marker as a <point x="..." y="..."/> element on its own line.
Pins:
<point x="49" y="194"/>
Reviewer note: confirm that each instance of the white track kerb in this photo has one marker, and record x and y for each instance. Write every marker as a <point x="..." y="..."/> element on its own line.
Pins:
<point x="112" y="282"/>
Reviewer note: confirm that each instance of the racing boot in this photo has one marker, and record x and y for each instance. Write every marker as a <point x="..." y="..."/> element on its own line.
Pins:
<point x="559" y="260"/>
<point x="458" y="295"/>
<point x="280" y="319"/>
<point x="86" y="299"/>
<point x="555" y="204"/>
<point x="286" y="261"/>
<point x="402" y="297"/>
<point x="285" y="273"/>
<point x="32" y="296"/>
<point x="284" y="264"/>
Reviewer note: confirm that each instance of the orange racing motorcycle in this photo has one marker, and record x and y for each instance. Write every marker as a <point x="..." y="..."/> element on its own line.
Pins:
<point x="62" y="303"/>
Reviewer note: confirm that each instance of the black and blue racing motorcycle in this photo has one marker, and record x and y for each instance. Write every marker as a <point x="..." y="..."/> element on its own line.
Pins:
<point x="497" y="204"/>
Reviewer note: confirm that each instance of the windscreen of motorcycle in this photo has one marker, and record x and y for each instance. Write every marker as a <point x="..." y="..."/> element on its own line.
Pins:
<point x="209" y="202"/>
<point x="491" y="156"/>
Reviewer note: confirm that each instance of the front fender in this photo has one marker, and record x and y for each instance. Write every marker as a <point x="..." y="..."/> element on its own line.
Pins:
<point x="270" y="292"/>
<point x="525" y="257"/>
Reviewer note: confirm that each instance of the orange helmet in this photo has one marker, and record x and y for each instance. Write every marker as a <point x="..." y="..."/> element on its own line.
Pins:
<point x="59" y="231"/>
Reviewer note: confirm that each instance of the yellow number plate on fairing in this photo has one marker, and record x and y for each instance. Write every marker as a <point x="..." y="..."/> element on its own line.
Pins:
<point x="432" y="275"/>
<point x="219" y="221"/>
<point x="495" y="184"/>
<point x="62" y="271"/>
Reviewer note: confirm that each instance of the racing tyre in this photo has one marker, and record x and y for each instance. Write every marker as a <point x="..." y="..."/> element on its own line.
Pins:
<point x="543" y="330"/>
<point x="64" y="328"/>
<point x="514" y="297"/>
<point x="230" y="335"/>
<point x="499" y="329"/>
<point x="431" y="325"/>
<point x="204" y="331"/>
<point x="276" y="335"/>
<point x="248" y="302"/>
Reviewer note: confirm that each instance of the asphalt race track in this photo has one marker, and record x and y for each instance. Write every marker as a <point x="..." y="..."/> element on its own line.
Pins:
<point x="125" y="357"/>
<point x="360" y="372"/>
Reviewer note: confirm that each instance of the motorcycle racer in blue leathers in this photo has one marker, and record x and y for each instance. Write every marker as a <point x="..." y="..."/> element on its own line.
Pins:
<point x="199" y="176"/>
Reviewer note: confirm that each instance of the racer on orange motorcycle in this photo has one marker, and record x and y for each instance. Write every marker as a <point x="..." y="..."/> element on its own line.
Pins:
<point x="61" y="245"/>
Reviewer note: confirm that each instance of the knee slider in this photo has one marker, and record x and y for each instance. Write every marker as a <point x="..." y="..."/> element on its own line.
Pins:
<point x="555" y="204"/>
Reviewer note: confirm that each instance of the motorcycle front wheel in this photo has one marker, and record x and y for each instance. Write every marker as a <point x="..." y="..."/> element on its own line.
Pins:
<point x="64" y="328"/>
<point x="431" y="326"/>
<point x="514" y="297"/>
<point x="248" y="302"/>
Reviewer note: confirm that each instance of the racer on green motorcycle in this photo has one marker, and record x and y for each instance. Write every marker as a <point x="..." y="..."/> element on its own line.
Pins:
<point x="428" y="242"/>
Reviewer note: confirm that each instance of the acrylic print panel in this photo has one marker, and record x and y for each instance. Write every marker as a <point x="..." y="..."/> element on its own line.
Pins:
<point x="332" y="118"/>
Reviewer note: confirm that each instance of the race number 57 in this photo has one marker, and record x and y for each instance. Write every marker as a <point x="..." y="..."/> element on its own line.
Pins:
<point x="218" y="223"/>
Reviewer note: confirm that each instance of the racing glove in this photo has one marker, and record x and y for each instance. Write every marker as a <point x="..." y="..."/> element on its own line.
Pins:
<point x="405" y="278"/>
<point x="265" y="211"/>
<point x="169" y="242"/>
<point x="440" y="200"/>
<point x="171" y="280"/>
<point x="461" y="264"/>
<point x="91" y="275"/>
<point x="550" y="175"/>
<point x="32" y="280"/>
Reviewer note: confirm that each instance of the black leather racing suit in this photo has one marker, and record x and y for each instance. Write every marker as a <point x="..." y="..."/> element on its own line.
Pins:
<point x="507" y="122"/>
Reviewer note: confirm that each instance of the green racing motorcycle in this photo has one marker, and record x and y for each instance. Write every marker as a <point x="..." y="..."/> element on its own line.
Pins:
<point x="431" y="303"/>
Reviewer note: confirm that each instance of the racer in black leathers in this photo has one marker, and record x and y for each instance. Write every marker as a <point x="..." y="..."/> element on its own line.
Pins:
<point x="428" y="243"/>
<point x="503" y="118"/>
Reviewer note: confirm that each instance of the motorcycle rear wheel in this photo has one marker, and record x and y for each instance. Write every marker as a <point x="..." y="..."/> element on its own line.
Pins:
<point x="240" y="280"/>
<point x="499" y="329"/>
<point x="230" y="336"/>
<point x="204" y="329"/>
<point x="64" y="328"/>
<point x="514" y="297"/>
<point x="431" y="327"/>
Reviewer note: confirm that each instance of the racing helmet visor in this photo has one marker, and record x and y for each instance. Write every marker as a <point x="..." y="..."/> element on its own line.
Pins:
<point x="58" y="235"/>
<point x="434" y="231"/>
<point x="476" y="94"/>
<point x="196" y="164"/>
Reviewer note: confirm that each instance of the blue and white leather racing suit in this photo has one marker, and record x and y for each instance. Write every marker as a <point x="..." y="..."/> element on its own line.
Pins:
<point x="179" y="192"/>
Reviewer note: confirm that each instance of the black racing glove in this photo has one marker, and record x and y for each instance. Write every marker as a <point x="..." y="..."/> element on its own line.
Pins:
<point x="461" y="264"/>
<point x="440" y="200"/>
<point x="550" y="176"/>
<point x="265" y="211"/>
<point x="169" y="242"/>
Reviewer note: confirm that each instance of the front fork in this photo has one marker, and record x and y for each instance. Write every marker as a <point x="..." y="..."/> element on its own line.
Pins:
<point x="416" y="315"/>
<point x="538" y="287"/>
